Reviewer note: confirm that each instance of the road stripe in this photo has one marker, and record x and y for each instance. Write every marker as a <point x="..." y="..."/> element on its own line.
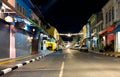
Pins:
<point x="61" y="70"/>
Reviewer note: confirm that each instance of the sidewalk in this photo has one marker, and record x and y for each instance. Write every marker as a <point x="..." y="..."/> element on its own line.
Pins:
<point x="107" y="53"/>
<point x="30" y="58"/>
<point x="43" y="52"/>
<point x="7" y="60"/>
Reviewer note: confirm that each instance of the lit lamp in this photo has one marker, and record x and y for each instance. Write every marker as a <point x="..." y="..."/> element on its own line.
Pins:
<point x="33" y="30"/>
<point x="69" y="35"/>
<point x="8" y="19"/>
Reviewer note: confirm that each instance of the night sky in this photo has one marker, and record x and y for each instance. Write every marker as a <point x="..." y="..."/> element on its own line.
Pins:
<point x="68" y="16"/>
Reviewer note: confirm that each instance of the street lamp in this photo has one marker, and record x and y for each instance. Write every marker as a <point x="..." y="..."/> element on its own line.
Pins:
<point x="69" y="35"/>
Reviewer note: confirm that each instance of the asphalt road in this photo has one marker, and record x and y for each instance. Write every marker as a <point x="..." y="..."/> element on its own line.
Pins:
<point x="70" y="63"/>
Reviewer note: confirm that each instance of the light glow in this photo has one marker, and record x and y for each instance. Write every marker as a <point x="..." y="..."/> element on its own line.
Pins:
<point x="69" y="35"/>
<point x="8" y="19"/>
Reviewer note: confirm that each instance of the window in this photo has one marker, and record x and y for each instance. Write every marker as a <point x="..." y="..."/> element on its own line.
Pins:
<point x="101" y="27"/>
<point x="112" y="13"/>
<point x="21" y="9"/>
<point x="119" y="9"/>
<point x="17" y="6"/>
<point x="109" y="15"/>
<point x="106" y="17"/>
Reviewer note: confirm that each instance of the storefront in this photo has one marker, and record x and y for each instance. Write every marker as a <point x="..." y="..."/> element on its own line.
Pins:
<point x="102" y="39"/>
<point x="116" y="32"/>
<point x="94" y="41"/>
<point x="110" y="37"/>
<point x="4" y="39"/>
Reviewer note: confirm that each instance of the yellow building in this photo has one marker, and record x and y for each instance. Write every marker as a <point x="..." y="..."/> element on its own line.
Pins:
<point x="84" y="31"/>
<point x="83" y="36"/>
<point x="54" y="33"/>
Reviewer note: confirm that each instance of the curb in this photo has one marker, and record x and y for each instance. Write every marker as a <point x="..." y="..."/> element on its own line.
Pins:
<point x="7" y="70"/>
<point x="7" y="60"/>
<point x="107" y="54"/>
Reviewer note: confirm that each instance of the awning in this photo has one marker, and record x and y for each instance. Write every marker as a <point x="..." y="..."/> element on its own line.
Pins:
<point x="110" y="28"/>
<point x="101" y="32"/>
<point x="115" y="30"/>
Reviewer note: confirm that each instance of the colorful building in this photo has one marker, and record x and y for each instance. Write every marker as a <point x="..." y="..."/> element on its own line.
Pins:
<point x="83" y="37"/>
<point x="53" y="32"/>
<point x="54" y="36"/>
<point x="21" y="28"/>
<point x="116" y="30"/>
<point x="93" y="31"/>
<point x="88" y="35"/>
<point x="109" y="19"/>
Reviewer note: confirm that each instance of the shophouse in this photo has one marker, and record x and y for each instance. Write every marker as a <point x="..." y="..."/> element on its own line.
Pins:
<point x="116" y="30"/>
<point x="93" y="31"/>
<point x="21" y="27"/>
<point x="110" y="16"/>
<point x="96" y="25"/>
<point x="83" y="37"/>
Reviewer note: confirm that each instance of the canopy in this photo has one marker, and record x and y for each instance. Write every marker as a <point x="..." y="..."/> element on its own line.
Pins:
<point x="115" y="30"/>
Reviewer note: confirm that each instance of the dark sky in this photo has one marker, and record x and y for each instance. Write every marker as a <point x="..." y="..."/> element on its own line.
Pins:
<point x="68" y="16"/>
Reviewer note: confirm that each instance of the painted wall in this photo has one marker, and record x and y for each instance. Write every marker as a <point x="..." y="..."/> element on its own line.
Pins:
<point x="28" y="11"/>
<point x="11" y="2"/>
<point x="84" y="31"/>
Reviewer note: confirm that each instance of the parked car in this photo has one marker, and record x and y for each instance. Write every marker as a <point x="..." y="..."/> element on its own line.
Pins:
<point x="84" y="48"/>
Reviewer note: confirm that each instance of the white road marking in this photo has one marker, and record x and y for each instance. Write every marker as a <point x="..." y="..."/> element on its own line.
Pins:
<point x="61" y="70"/>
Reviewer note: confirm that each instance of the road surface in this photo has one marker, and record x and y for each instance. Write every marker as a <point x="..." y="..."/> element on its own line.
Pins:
<point x="70" y="63"/>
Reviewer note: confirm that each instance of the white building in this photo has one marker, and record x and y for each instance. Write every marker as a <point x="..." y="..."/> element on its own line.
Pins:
<point x="111" y="17"/>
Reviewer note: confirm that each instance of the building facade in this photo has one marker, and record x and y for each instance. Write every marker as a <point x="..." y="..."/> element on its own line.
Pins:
<point x="110" y="16"/>
<point x="20" y="28"/>
<point x="92" y="21"/>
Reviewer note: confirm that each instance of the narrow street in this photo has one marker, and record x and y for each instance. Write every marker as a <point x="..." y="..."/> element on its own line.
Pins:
<point x="70" y="63"/>
<point x="59" y="38"/>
